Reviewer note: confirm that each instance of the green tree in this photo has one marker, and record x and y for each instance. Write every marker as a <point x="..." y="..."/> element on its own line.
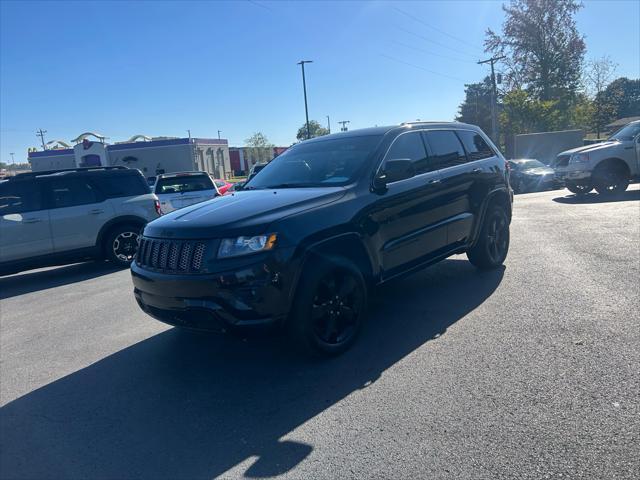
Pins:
<point x="620" y="99"/>
<point x="543" y="49"/>
<point x="476" y="107"/>
<point x="258" y="148"/>
<point x="315" y="130"/>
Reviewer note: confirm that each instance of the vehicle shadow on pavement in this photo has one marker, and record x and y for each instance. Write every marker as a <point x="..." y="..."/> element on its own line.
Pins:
<point x="34" y="281"/>
<point x="183" y="405"/>
<point x="627" y="196"/>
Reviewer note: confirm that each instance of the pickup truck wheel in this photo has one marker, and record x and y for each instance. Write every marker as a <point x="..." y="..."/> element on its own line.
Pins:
<point x="579" y="188"/>
<point x="492" y="246"/>
<point x="329" y="307"/>
<point x="121" y="244"/>
<point x="610" y="181"/>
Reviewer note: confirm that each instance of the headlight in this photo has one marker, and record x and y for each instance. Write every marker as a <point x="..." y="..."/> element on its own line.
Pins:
<point x="579" y="158"/>
<point x="233" y="247"/>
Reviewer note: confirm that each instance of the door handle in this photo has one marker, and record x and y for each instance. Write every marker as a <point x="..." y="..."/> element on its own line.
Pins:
<point x="434" y="181"/>
<point x="31" y="220"/>
<point x="96" y="211"/>
<point x="475" y="171"/>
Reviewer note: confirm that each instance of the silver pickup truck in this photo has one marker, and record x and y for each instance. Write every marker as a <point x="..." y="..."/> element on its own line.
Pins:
<point x="608" y="167"/>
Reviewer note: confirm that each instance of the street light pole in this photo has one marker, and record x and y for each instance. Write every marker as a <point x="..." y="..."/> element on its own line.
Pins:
<point x="328" y="124"/>
<point x="13" y="162"/>
<point x="304" y="87"/>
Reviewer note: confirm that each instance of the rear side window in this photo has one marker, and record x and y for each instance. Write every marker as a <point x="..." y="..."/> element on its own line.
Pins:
<point x="409" y="146"/>
<point x="446" y="149"/>
<point x="476" y="147"/>
<point x="19" y="197"/>
<point x="113" y="186"/>
<point x="187" y="183"/>
<point x="70" y="192"/>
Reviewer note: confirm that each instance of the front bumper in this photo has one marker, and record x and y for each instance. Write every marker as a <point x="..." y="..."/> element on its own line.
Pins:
<point x="562" y="175"/>
<point x="249" y="295"/>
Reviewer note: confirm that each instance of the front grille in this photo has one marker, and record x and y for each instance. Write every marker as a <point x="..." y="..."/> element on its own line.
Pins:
<point x="562" y="160"/>
<point x="171" y="256"/>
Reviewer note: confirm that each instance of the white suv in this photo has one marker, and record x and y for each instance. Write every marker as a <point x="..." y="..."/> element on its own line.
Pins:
<point x="181" y="189"/>
<point x="57" y="217"/>
<point x="608" y="166"/>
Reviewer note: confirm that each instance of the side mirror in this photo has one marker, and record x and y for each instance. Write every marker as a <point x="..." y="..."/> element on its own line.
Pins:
<point x="393" y="171"/>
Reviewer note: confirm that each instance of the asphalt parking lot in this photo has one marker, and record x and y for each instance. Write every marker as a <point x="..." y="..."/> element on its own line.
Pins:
<point x="531" y="371"/>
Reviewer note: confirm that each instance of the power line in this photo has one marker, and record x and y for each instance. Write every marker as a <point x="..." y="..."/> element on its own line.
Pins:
<point x="441" y="45"/>
<point x="422" y="68"/>
<point x="436" y="28"/>
<point x="433" y="53"/>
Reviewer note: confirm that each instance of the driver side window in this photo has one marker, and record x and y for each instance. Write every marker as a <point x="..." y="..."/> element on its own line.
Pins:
<point x="409" y="146"/>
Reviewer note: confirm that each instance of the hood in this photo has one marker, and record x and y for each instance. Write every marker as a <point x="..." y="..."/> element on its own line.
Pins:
<point x="538" y="171"/>
<point x="247" y="212"/>
<point x="590" y="148"/>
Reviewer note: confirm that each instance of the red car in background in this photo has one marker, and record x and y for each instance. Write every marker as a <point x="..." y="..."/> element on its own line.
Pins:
<point x="222" y="185"/>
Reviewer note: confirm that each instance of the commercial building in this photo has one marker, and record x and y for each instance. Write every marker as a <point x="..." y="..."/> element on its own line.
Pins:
<point x="152" y="156"/>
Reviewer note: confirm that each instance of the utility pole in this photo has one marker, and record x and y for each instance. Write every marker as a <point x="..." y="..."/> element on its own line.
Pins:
<point x="304" y="87"/>
<point x="218" y="134"/>
<point x="13" y="162"/>
<point x="189" y="132"/>
<point x="328" y="124"/>
<point x="344" y="125"/>
<point x="40" y="133"/>
<point x="494" y="98"/>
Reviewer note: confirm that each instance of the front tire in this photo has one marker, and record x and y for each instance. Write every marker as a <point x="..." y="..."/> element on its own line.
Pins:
<point x="579" y="188"/>
<point x="121" y="244"/>
<point x="610" y="181"/>
<point x="329" y="307"/>
<point x="492" y="246"/>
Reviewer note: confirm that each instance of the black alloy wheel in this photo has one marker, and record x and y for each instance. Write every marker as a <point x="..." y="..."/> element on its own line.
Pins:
<point x="336" y="308"/>
<point x="492" y="246"/>
<point x="122" y="244"/>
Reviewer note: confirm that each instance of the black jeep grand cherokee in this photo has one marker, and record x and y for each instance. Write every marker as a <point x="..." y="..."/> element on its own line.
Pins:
<point x="301" y="244"/>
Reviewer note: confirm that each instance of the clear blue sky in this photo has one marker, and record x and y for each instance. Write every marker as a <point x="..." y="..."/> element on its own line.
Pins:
<point x="160" y="68"/>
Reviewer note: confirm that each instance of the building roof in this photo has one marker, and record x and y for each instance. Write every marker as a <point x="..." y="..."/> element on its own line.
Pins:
<point x="621" y="122"/>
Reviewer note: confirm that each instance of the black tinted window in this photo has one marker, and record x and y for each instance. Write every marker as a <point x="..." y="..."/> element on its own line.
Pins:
<point x="70" y="192"/>
<point x="409" y="146"/>
<point x="446" y="149"/>
<point x="476" y="147"/>
<point x="19" y="197"/>
<point x="121" y="185"/>
<point x="184" y="183"/>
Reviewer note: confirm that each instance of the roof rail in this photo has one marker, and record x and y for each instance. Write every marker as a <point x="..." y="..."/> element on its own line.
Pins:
<point x="418" y="122"/>
<point x="25" y="175"/>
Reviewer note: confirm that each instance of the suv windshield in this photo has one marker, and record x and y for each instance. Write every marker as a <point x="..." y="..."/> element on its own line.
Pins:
<point x="322" y="163"/>
<point x="626" y="133"/>
<point x="186" y="183"/>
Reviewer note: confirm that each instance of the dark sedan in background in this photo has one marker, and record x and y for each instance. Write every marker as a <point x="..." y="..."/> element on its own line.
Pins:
<point x="528" y="175"/>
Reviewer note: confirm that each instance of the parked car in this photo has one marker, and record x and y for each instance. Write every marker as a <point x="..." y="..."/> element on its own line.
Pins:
<point x="303" y="242"/>
<point x="62" y="216"/>
<point x="528" y="175"/>
<point x="608" y="167"/>
<point x="235" y="187"/>
<point x="222" y="185"/>
<point x="255" y="169"/>
<point x="181" y="189"/>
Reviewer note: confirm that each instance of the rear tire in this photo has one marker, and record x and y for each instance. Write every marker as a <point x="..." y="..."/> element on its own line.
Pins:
<point x="121" y="244"/>
<point x="492" y="246"/>
<point x="579" y="188"/>
<point x="329" y="308"/>
<point x="610" y="181"/>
